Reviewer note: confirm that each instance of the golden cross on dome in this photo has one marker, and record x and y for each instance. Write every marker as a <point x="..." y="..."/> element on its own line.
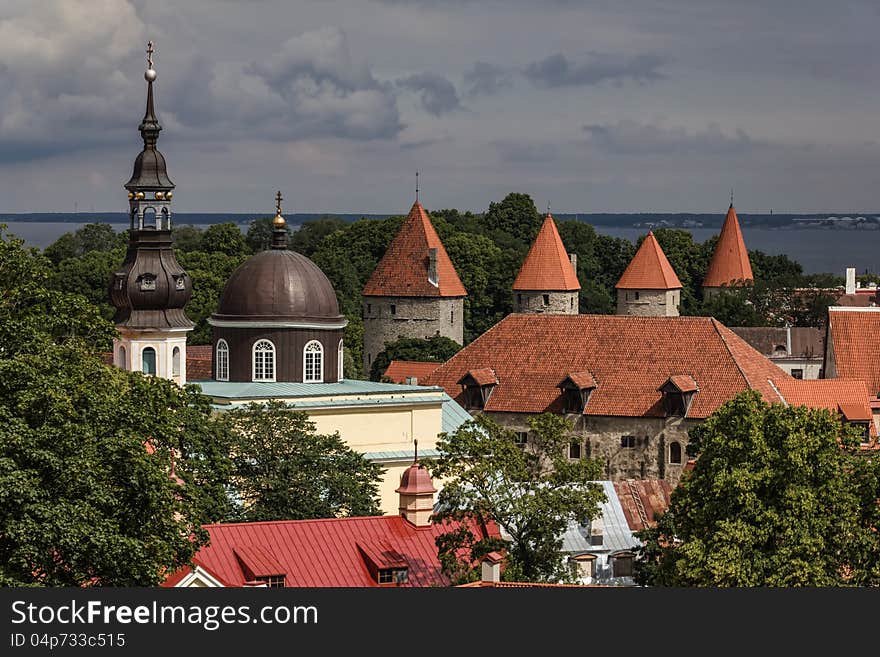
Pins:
<point x="150" y="52"/>
<point x="278" y="203"/>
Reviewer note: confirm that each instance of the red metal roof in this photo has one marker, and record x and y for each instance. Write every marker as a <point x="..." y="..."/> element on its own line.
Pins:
<point x="416" y="480"/>
<point x="403" y="270"/>
<point x="853" y="337"/>
<point x="256" y="562"/>
<point x="327" y="552"/>
<point x="649" y="269"/>
<point x="401" y="370"/>
<point x="547" y="266"/>
<point x="730" y="261"/>
<point x="629" y="358"/>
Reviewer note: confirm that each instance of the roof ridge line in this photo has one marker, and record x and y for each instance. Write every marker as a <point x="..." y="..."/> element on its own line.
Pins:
<point x="778" y="392"/>
<point x="715" y="324"/>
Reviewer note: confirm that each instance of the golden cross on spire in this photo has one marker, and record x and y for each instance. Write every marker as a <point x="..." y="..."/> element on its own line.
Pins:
<point x="278" y="200"/>
<point x="150" y="52"/>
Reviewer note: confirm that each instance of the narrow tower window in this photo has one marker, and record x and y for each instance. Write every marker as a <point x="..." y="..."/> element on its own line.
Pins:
<point x="122" y="362"/>
<point x="148" y="361"/>
<point x="175" y="362"/>
<point x="675" y="452"/>
<point x="313" y="362"/>
<point x="222" y="360"/>
<point x="264" y="361"/>
<point x="339" y="362"/>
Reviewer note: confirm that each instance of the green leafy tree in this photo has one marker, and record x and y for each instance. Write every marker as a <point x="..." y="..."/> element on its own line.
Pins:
<point x="532" y="493"/>
<point x="309" y="236"/>
<point x="284" y="470"/>
<point x="89" y="275"/>
<point x="690" y="260"/>
<point x="780" y="496"/>
<point x="88" y="238"/>
<point x="224" y="238"/>
<point x="83" y="501"/>
<point x="187" y="237"/>
<point x="437" y="348"/>
<point x="733" y="307"/>
<point x="515" y="218"/>
<point x="479" y="264"/>
<point x="259" y="234"/>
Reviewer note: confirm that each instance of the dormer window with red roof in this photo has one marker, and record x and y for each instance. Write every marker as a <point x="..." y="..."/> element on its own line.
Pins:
<point x="576" y="390"/>
<point x="386" y="565"/>
<point x="678" y="393"/>
<point x="477" y="386"/>
<point x="393" y="576"/>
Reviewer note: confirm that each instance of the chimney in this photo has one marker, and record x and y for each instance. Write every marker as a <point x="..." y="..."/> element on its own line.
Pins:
<point x="432" y="267"/>
<point x="574" y="261"/>
<point x="491" y="567"/>
<point x="850" y="280"/>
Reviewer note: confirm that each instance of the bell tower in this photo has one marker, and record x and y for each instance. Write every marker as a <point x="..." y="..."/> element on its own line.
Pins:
<point x="150" y="289"/>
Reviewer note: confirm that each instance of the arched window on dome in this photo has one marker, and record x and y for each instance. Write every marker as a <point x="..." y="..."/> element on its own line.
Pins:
<point x="339" y="362"/>
<point x="222" y="360"/>
<point x="264" y="361"/>
<point x="148" y="361"/>
<point x="313" y="362"/>
<point x="175" y="362"/>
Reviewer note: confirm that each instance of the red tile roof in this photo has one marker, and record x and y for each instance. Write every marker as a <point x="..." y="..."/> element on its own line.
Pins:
<point x="684" y="382"/>
<point x="484" y="376"/>
<point x="403" y="270"/>
<point x="649" y="269"/>
<point x="653" y="494"/>
<point x="629" y="358"/>
<point x="730" y="261"/>
<point x="583" y="380"/>
<point x="329" y="552"/>
<point x="846" y="396"/>
<point x="547" y="265"/>
<point x="853" y="337"/>
<point x="401" y="370"/>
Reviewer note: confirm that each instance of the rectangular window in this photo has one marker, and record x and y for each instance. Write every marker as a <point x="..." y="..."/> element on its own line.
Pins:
<point x="393" y="576"/>
<point x="628" y="441"/>
<point x="574" y="450"/>
<point x="452" y="317"/>
<point x="369" y="308"/>
<point x="273" y="581"/>
<point x="797" y="374"/>
<point x="637" y="296"/>
<point x="393" y="309"/>
<point x="520" y="437"/>
<point x="546" y="299"/>
<point x="623" y="566"/>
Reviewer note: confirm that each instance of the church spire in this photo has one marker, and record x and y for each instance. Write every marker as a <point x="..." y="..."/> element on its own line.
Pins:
<point x="150" y="173"/>
<point x="279" y="225"/>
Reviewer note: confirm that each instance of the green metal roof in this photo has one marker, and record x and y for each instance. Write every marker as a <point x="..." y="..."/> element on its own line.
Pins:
<point x="453" y="414"/>
<point x="403" y="455"/>
<point x="263" y="390"/>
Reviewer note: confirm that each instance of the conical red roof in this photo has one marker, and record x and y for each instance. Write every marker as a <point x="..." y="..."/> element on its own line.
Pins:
<point x="649" y="269"/>
<point x="547" y="266"/>
<point x="730" y="262"/>
<point x="403" y="270"/>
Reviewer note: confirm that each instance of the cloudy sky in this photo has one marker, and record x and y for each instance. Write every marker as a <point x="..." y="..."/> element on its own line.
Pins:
<point x="591" y="105"/>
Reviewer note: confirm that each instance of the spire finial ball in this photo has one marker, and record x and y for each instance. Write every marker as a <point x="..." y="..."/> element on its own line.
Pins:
<point x="150" y="75"/>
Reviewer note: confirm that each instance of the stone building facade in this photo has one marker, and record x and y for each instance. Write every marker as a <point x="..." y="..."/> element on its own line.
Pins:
<point x="648" y="303"/>
<point x="387" y="319"/>
<point x="557" y="303"/>
<point x="649" y="286"/>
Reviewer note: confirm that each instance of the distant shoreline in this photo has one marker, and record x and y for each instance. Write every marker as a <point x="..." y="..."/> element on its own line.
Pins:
<point x="821" y="221"/>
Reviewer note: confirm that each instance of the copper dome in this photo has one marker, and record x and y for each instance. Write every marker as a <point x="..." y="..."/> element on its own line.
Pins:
<point x="279" y="286"/>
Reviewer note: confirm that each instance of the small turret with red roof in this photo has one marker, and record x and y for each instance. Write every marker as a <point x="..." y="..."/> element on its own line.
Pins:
<point x="547" y="281"/>
<point x="649" y="287"/>
<point x="414" y="292"/>
<point x="730" y="266"/>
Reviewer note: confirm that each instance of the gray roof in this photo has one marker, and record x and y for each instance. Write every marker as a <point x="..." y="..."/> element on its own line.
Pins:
<point x="402" y="455"/>
<point x="233" y="390"/>
<point x="616" y="534"/>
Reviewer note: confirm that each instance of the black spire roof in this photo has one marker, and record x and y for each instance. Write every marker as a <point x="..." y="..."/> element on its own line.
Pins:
<point x="149" y="167"/>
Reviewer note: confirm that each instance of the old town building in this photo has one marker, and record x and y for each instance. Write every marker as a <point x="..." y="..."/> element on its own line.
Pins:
<point x="649" y="286"/>
<point x="547" y="281"/>
<point x="730" y="266"/>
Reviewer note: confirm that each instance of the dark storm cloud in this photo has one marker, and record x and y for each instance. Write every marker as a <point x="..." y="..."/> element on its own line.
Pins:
<point x="631" y="138"/>
<point x="558" y="71"/>
<point x="484" y="79"/>
<point x="436" y="93"/>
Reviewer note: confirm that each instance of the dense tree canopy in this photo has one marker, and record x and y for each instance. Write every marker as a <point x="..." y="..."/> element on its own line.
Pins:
<point x="532" y="492"/>
<point x="86" y="492"/>
<point x="282" y="469"/>
<point x="437" y="348"/>
<point x="779" y="496"/>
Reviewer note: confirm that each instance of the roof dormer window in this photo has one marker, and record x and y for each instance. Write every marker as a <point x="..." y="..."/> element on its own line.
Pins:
<point x="678" y="393"/>
<point x="477" y="386"/>
<point x="393" y="576"/>
<point x="576" y="390"/>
